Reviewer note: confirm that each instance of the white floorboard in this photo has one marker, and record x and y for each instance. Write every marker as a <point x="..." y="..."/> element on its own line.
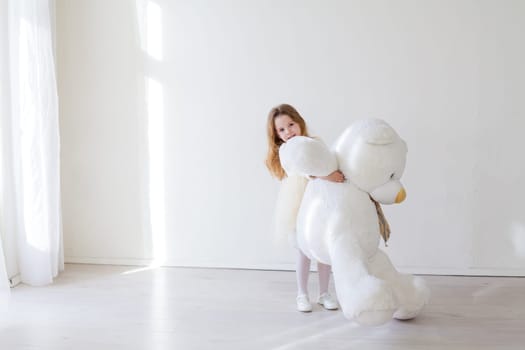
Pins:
<point x="116" y="307"/>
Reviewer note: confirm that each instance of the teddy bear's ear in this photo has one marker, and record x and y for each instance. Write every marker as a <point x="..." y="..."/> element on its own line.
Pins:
<point x="381" y="134"/>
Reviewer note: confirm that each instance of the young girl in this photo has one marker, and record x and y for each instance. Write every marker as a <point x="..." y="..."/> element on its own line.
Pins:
<point x="284" y="123"/>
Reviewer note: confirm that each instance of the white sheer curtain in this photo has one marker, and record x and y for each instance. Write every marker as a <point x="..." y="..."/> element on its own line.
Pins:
<point x="4" y="283"/>
<point x="4" y="110"/>
<point x="31" y="163"/>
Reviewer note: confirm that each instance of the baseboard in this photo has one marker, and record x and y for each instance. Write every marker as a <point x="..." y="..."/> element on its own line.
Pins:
<point x="171" y="263"/>
<point x="15" y="280"/>
<point x="416" y="270"/>
<point x="472" y="271"/>
<point x="108" y="261"/>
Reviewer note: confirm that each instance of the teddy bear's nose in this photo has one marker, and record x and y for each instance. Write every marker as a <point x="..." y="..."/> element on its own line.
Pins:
<point x="401" y="195"/>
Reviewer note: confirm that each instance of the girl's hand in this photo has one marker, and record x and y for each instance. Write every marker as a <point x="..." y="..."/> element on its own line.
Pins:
<point x="336" y="176"/>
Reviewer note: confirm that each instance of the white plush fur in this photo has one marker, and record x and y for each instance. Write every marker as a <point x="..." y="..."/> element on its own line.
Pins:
<point x="306" y="156"/>
<point x="288" y="202"/>
<point x="337" y="223"/>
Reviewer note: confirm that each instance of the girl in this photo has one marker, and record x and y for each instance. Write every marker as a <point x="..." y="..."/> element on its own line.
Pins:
<point x="284" y="123"/>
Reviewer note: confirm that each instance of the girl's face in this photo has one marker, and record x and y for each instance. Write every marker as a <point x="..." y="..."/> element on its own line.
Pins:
<point x="286" y="128"/>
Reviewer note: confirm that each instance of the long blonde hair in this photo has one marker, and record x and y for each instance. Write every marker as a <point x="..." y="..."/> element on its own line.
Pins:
<point x="273" y="163"/>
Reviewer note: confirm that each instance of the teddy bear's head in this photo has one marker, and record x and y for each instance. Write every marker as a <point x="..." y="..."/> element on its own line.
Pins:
<point x="372" y="156"/>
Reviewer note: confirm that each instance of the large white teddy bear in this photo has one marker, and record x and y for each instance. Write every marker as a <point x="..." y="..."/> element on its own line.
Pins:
<point x="337" y="223"/>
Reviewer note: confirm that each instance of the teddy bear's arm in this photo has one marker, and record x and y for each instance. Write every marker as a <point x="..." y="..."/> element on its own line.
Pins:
<point x="305" y="156"/>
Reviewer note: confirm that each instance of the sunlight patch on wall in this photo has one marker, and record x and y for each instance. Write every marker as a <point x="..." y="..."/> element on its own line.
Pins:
<point x="518" y="239"/>
<point x="150" y="26"/>
<point x="157" y="206"/>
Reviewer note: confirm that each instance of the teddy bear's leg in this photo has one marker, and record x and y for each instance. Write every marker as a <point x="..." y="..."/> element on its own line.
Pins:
<point x="411" y="292"/>
<point x="363" y="297"/>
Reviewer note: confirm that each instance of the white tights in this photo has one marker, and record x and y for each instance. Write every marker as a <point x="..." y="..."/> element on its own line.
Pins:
<point x="303" y="271"/>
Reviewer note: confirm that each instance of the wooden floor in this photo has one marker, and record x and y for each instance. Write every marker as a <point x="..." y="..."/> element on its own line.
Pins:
<point x="115" y="307"/>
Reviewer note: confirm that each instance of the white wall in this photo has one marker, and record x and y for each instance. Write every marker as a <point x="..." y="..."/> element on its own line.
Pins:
<point x="163" y="108"/>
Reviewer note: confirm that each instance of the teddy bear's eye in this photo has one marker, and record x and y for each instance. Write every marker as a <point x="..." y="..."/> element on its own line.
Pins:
<point x="392" y="176"/>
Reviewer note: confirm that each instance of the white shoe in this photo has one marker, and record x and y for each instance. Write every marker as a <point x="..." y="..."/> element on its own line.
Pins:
<point x="328" y="302"/>
<point x="303" y="303"/>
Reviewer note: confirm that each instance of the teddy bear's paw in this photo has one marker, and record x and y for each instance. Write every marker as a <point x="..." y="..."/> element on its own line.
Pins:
<point x="414" y="298"/>
<point x="405" y="314"/>
<point x="374" y="318"/>
<point x="372" y="302"/>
